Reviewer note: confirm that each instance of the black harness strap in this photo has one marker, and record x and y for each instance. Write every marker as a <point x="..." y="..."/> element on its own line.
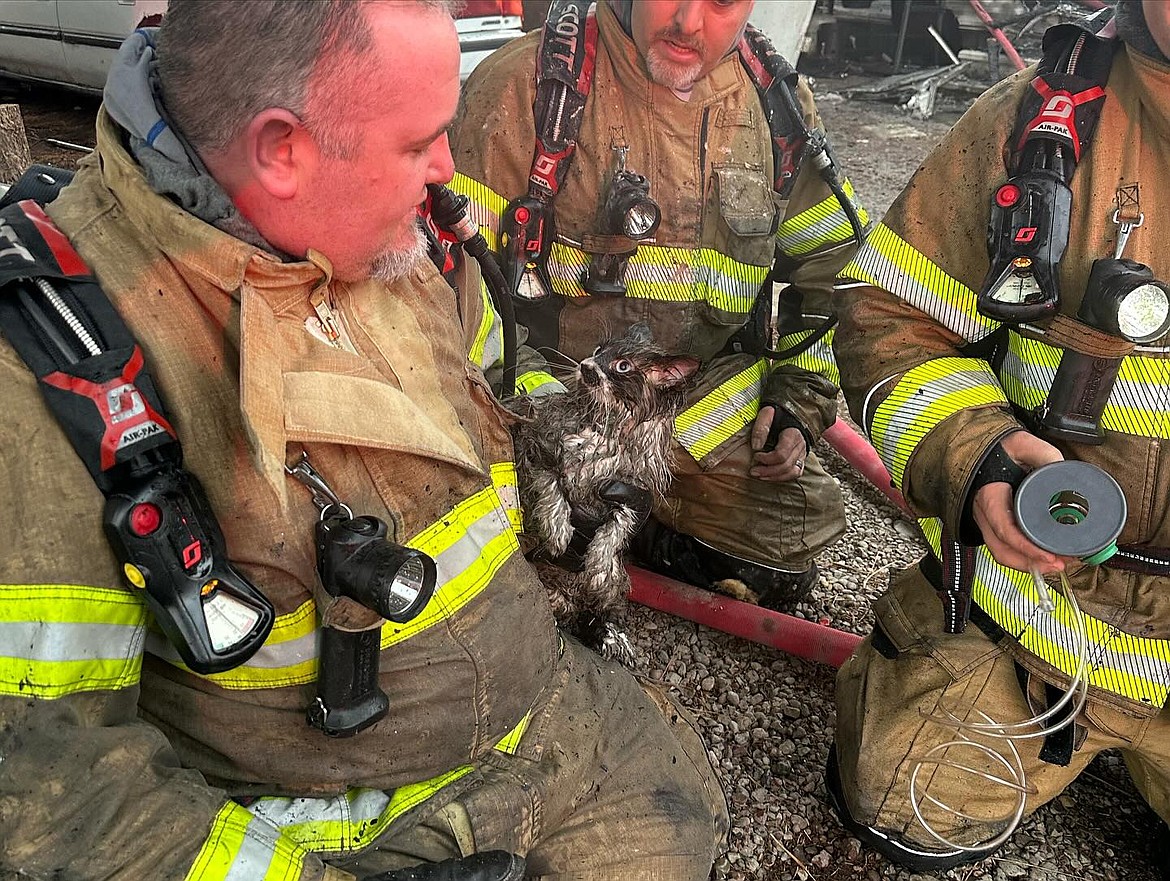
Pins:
<point x="90" y="370"/>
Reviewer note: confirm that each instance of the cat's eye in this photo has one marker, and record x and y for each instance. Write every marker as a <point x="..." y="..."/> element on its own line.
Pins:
<point x="623" y="366"/>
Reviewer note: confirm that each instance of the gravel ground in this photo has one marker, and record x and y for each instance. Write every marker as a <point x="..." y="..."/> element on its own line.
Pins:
<point x="767" y="718"/>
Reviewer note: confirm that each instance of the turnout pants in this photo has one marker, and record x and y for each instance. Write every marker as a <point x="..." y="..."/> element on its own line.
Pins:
<point x="883" y="729"/>
<point x="716" y="500"/>
<point x="609" y="782"/>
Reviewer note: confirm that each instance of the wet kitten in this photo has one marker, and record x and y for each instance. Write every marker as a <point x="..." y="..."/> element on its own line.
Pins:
<point x="613" y="424"/>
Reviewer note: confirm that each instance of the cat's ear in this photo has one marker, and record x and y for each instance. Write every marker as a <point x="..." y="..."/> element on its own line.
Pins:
<point x="640" y="333"/>
<point x="671" y="371"/>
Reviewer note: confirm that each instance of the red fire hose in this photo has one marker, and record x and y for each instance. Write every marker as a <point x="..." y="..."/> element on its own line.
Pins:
<point x="792" y="635"/>
<point x="1000" y="37"/>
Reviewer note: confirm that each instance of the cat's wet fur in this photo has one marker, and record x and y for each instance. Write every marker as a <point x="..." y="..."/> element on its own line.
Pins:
<point x="615" y="422"/>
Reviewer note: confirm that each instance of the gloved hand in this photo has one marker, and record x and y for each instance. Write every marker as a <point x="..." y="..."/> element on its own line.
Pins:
<point x="615" y="493"/>
<point x="491" y="865"/>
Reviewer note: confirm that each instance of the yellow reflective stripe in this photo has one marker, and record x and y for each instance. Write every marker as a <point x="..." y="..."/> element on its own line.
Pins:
<point x="888" y="262"/>
<point x="817" y="358"/>
<point x="924" y="397"/>
<point x="485" y="206"/>
<point x="725" y="410"/>
<point x="510" y="742"/>
<point x="288" y="656"/>
<point x="537" y="383"/>
<point x="1119" y="662"/>
<point x="825" y="223"/>
<point x="654" y="273"/>
<point x="1138" y="404"/>
<point x="681" y="275"/>
<point x="504" y="480"/>
<point x="242" y="846"/>
<point x="469" y="546"/>
<point x="61" y="639"/>
<point x="488" y="346"/>
<point x="348" y="822"/>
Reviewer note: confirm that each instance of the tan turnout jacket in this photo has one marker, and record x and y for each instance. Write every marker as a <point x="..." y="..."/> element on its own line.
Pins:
<point x="903" y="348"/>
<point x="404" y="428"/>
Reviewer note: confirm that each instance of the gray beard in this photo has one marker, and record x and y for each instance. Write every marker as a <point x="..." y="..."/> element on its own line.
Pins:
<point x="672" y="76"/>
<point x="391" y="265"/>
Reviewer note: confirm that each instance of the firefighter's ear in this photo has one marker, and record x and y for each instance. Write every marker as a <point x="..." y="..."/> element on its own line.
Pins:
<point x="280" y="151"/>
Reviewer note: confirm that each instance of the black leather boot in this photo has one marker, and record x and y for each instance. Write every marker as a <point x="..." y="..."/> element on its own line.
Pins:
<point x="491" y="865"/>
<point x="685" y="558"/>
<point x="902" y="853"/>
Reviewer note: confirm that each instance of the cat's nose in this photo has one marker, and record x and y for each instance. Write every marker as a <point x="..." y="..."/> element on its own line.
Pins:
<point x="589" y="372"/>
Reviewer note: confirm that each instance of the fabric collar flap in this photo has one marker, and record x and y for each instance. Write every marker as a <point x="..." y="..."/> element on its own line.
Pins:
<point x="325" y="407"/>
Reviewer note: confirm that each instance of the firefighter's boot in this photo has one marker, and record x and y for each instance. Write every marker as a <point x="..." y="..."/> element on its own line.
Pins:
<point x="685" y="558"/>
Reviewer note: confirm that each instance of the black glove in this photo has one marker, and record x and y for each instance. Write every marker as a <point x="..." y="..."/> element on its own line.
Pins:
<point x="997" y="467"/>
<point x="491" y="865"/>
<point x="782" y="419"/>
<point x="615" y="493"/>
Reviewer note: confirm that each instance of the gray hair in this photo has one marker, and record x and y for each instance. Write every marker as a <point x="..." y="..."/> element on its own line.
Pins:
<point x="223" y="61"/>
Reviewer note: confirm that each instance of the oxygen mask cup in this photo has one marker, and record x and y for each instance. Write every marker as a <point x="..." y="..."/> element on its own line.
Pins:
<point x="1072" y="509"/>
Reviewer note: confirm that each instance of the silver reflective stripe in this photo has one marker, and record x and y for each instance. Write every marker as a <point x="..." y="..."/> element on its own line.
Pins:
<point x="357" y="806"/>
<point x="255" y="852"/>
<point x="56" y="641"/>
<point x="886" y="261"/>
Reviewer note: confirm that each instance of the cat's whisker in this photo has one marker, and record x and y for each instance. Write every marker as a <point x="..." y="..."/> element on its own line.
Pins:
<point x="549" y="350"/>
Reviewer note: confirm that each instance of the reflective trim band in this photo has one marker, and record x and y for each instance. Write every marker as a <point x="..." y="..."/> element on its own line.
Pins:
<point x="510" y="742"/>
<point x="679" y="275"/>
<point x="349" y="822"/>
<point x="825" y="223"/>
<point x="725" y="410"/>
<point x="288" y="656"/>
<point x="682" y="275"/>
<point x="924" y="397"/>
<point x="485" y="206"/>
<point x="243" y="847"/>
<point x="469" y="546"/>
<point x="537" y="383"/>
<point x="504" y="480"/>
<point x="61" y="639"/>
<point x="817" y="358"/>
<point x="1138" y="404"/>
<point x="488" y="347"/>
<point x="1127" y="665"/>
<point x="888" y="262"/>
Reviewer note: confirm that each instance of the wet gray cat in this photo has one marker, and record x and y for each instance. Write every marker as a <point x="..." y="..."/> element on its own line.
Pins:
<point x="613" y="424"/>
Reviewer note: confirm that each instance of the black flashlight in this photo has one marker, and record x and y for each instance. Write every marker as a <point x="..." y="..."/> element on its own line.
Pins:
<point x="1122" y="299"/>
<point x="628" y="216"/>
<point x="356" y="560"/>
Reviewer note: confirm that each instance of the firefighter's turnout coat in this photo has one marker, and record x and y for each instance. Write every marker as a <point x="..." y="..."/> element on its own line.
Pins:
<point x="918" y="370"/>
<point x="709" y="163"/>
<point x="115" y="760"/>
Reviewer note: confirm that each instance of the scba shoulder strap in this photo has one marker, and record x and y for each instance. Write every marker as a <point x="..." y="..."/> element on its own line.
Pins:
<point x="93" y="378"/>
<point x="1029" y="222"/>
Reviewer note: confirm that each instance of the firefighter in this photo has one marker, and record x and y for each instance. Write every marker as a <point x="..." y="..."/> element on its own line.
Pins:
<point x="961" y="358"/>
<point x="250" y="210"/>
<point x="671" y="103"/>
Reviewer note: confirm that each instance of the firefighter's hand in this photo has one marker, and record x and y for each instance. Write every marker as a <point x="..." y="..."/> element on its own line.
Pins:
<point x="784" y="461"/>
<point x="992" y="509"/>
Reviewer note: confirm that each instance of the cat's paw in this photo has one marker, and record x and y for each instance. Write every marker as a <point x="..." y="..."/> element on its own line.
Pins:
<point x="616" y="646"/>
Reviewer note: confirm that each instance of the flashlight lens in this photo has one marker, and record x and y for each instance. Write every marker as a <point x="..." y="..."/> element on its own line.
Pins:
<point x="409" y="582"/>
<point x="641" y="220"/>
<point x="1143" y="313"/>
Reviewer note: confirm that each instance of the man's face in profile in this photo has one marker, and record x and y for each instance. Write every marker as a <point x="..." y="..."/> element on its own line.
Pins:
<point x="359" y="207"/>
